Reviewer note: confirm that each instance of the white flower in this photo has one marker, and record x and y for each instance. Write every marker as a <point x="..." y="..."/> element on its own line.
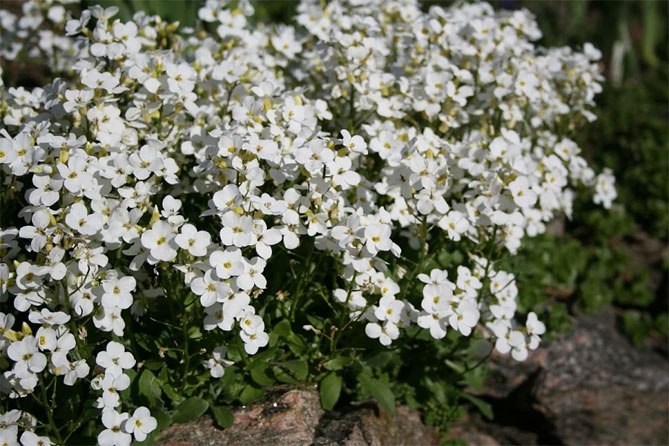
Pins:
<point x="389" y="309"/>
<point x="377" y="238"/>
<point x="535" y="328"/>
<point x="46" y="338"/>
<point x="227" y="263"/>
<point x="227" y="198"/>
<point x="180" y="78"/>
<point x="159" y="240"/>
<point x="385" y="333"/>
<point x="111" y="385"/>
<point x="455" y="224"/>
<point x="605" y="191"/>
<point x="209" y="290"/>
<point x="522" y="194"/>
<point x="262" y="148"/>
<point x="171" y="206"/>
<point x="341" y="172"/>
<point x="8" y="436"/>
<point x="114" y="435"/>
<point x="48" y="318"/>
<point x="467" y="282"/>
<point x="434" y="321"/>
<point x="237" y="230"/>
<point x="140" y="424"/>
<point x="254" y="341"/>
<point x="147" y="160"/>
<point x="509" y="340"/>
<point x="265" y="239"/>
<point x="37" y="233"/>
<point x="438" y="291"/>
<point x="8" y="152"/>
<point x="114" y="359"/>
<point x="252" y="275"/>
<point x="354" y="143"/>
<point x="46" y="190"/>
<point x="75" y="370"/>
<point x="26" y="355"/>
<point x="252" y="323"/>
<point x="118" y="292"/>
<point x="79" y="219"/>
<point x="196" y="242"/>
<point x="217" y="363"/>
<point x="314" y="156"/>
<point x="465" y="316"/>
<point x="31" y="439"/>
<point x="109" y="319"/>
<point x="74" y="174"/>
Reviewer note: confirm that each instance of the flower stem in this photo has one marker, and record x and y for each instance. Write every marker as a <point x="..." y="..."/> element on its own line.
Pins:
<point x="49" y="413"/>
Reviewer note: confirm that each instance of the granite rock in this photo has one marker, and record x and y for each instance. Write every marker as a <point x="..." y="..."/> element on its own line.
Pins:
<point x="591" y="387"/>
<point x="293" y="417"/>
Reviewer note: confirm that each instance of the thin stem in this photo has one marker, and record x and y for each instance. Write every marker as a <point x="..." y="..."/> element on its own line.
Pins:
<point x="300" y="283"/>
<point x="49" y="413"/>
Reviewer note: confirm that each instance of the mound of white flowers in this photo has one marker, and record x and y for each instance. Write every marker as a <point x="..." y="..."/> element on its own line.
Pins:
<point x="366" y="127"/>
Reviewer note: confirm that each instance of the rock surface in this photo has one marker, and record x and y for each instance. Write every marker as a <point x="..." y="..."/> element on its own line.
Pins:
<point x="367" y="424"/>
<point x="293" y="417"/>
<point x="592" y="387"/>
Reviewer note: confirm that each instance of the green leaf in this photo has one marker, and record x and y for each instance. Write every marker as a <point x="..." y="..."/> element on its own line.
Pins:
<point x="154" y="364"/>
<point x="259" y="374"/>
<point x="379" y="390"/>
<point x="380" y="359"/>
<point x="170" y="393"/>
<point x="299" y="368"/>
<point x="455" y="366"/>
<point x="232" y="385"/>
<point x="337" y="363"/>
<point x="637" y="326"/>
<point x="194" y="332"/>
<point x="330" y="390"/>
<point x="485" y="408"/>
<point x="142" y="343"/>
<point x="283" y="328"/>
<point x="250" y="394"/>
<point x="190" y="409"/>
<point x="149" y="386"/>
<point x="475" y="378"/>
<point x="295" y="343"/>
<point x="283" y="376"/>
<point x="317" y="322"/>
<point x="223" y="416"/>
<point x="652" y="32"/>
<point x="162" y="418"/>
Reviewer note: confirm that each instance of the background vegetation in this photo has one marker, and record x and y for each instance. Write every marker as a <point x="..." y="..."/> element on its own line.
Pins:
<point x="619" y="257"/>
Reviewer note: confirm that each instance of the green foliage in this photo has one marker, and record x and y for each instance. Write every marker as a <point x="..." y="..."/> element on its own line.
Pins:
<point x="379" y="389"/>
<point x="185" y="11"/>
<point x="597" y="265"/>
<point x="189" y="410"/>
<point x="223" y="417"/>
<point x="330" y="389"/>
<point x="275" y="11"/>
<point x="182" y="11"/>
<point x="149" y="386"/>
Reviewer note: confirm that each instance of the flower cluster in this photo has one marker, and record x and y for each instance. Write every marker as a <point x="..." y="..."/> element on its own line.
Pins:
<point x="371" y="133"/>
